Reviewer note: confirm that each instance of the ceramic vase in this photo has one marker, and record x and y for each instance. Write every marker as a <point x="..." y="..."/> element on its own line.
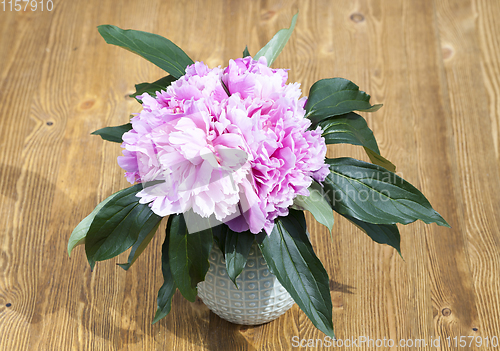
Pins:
<point x="260" y="298"/>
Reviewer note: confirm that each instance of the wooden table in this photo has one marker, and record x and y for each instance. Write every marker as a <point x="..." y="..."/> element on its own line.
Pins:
<point x="434" y="65"/>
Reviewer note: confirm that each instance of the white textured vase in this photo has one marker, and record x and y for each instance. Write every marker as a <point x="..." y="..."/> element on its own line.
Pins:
<point x="260" y="298"/>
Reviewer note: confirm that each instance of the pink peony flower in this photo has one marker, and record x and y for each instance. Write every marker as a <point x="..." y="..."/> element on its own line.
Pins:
<point x="242" y="158"/>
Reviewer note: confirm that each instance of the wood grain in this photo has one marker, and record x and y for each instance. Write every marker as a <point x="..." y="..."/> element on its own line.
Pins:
<point x="433" y="64"/>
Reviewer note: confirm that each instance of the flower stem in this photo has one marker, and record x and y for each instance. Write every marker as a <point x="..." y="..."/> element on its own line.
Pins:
<point x="225" y="88"/>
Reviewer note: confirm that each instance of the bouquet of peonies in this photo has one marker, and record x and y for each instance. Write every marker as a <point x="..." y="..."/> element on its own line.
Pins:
<point x="234" y="155"/>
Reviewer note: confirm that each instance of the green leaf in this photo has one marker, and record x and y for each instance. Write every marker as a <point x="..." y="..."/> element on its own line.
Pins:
<point x="117" y="226"/>
<point x="219" y="234"/>
<point x="80" y="232"/>
<point x="152" y="88"/>
<point x="188" y="256"/>
<point x="317" y="205"/>
<point x="380" y="160"/>
<point x="113" y="134"/>
<point x="169" y="287"/>
<point x="351" y="128"/>
<point x="237" y="247"/>
<point x="291" y="258"/>
<point x="274" y="47"/>
<point x="336" y="96"/>
<point x="139" y="246"/>
<point x="380" y="233"/>
<point x="245" y="52"/>
<point x="154" y="48"/>
<point x="373" y="194"/>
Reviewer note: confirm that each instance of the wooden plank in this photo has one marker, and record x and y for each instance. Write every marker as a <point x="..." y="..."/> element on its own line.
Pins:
<point x="474" y="118"/>
<point x="448" y="275"/>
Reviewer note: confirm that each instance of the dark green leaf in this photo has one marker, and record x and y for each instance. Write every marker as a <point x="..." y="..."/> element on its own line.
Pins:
<point x="117" y="225"/>
<point x="352" y="129"/>
<point x="113" y="134"/>
<point x="188" y="255"/>
<point x="317" y="205"/>
<point x="291" y="258"/>
<point x="373" y="194"/>
<point x="380" y="233"/>
<point x="245" y="52"/>
<point x="336" y="96"/>
<point x="169" y="287"/>
<point x="152" y="88"/>
<point x="140" y="245"/>
<point x="80" y="232"/>
<point x="237" y="248"/>
<point x="219" y="233"/>
<point x="274" y="47"/>
<point x="154" y="48"/>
